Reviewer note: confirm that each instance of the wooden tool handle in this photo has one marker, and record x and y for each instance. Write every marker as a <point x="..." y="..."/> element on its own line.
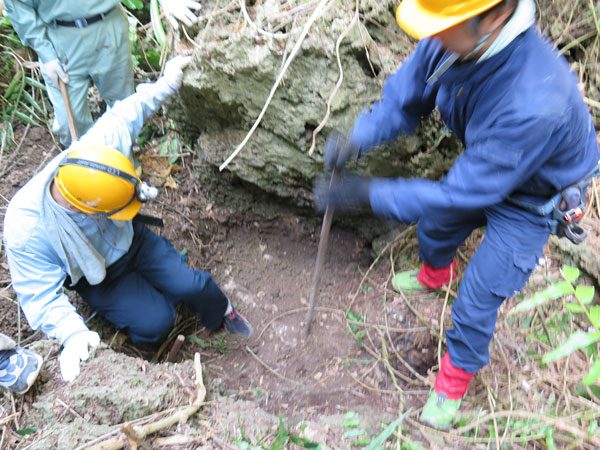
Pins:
<point x="65" y="96"/>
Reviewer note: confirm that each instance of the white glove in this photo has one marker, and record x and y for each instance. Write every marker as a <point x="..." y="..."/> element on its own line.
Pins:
<point x="180" y="10"/>
<point x="174" y="70"/>
<point x="75" y="350"/>
<point x="54" y="71"/>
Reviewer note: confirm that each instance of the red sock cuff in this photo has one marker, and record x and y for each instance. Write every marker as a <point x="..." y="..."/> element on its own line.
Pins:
<point x="436" y="277"/>
<point x="452" y="380"/>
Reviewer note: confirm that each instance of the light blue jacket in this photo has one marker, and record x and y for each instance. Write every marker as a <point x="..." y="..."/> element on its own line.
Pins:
<point x="36" y="270"/>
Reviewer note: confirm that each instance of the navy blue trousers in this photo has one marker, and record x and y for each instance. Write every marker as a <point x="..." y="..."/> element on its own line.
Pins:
<point x="142" y="288"/>
<point x="510" y="250"/>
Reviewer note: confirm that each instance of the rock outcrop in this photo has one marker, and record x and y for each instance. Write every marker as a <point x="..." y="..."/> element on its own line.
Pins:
<point x="237" y="62"/>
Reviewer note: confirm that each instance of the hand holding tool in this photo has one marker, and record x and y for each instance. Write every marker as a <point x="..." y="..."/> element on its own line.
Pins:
<point x="349" y="194"/>
<point x="54" y="70"/>
<point x="338" y="150"/>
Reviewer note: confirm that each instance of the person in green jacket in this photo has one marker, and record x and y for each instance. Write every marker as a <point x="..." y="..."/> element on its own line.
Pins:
<point x="79" y="41"/>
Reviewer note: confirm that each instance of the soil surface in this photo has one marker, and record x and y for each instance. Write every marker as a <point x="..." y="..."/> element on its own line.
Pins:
<point x="370" y="350"/>
<point x="266" y="266"/>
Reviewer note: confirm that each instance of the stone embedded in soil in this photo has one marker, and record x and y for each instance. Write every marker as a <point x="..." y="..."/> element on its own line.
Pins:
<point x="112" y="388"/>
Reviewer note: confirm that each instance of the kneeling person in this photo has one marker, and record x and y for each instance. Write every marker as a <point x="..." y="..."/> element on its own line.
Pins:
<point x="71" y="225"/>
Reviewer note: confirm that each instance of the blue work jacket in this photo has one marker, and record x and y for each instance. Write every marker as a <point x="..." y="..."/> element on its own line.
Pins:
<point x="520" y="115"/>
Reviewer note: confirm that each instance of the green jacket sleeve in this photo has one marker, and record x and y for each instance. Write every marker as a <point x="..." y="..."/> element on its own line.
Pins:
<point x="30" y="28"/>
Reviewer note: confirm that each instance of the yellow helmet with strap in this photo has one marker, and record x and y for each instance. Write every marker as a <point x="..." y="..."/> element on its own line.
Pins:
<point x="100" y="180"/>
<point x="423" y="18"/>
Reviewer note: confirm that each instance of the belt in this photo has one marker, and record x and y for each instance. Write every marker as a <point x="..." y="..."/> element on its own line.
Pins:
<point x="551" y="204"/>
<point x="565" y="213"/>
<point x="84" y="22"/>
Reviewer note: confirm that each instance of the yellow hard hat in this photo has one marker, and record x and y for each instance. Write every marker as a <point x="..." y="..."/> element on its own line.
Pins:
<point x="423" y="18"/>
<point x="99" y="179"/>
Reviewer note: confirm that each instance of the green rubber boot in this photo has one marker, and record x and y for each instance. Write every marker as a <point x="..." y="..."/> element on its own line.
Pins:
<point x="407" y="281"/>
<point x="439" y="412"/>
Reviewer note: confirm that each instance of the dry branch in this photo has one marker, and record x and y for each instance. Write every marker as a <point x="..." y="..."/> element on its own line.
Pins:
<point x="139" y="433"/>
<point x="172" y="355"/>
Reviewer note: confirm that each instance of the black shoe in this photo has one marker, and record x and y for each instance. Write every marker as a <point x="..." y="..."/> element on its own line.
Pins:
<point x="235" y="323"/>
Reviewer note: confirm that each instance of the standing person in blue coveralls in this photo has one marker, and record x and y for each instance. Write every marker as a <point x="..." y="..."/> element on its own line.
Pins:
<point x="530" y="144"/>
<point x="78" y="41"/>
<point x="71" y="225"/>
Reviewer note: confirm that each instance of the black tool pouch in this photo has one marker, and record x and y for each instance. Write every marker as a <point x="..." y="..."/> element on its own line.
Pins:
<point x="568" y="212"/>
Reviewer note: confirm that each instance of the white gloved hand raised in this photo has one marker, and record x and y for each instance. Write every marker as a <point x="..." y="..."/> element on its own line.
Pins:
<point x="54" y="70"/>
<point x="180" y="10"/>
<point x="174" y="70"/>
<point x="76" y="349"/>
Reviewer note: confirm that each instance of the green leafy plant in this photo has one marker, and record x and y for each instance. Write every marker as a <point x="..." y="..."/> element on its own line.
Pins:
<point x="133" y="4"/>
<point x="21" y="96"/>
<point x="26" y="431"/>
<point x="355" y="431"/>
<point x="387" y="432"/>
<point x="354" y="319"/>
<point x="216" y="344"/>
<point x="280" y="442"/>
<point x="582" y="298"/>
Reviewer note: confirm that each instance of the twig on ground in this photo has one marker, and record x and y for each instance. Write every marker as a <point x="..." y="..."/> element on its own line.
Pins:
<point x="7" y="419"/>
<point x="381" y="391"/>
<point x="295" y="311"/>
<point x="417" y="375"/>
<point x="15" y="152"/>
<point x="142" y="431"/>
<point x="421" y="318"/>
<point x="172" y="355"/>
<point x="273" y="371"/>
<point x="14" y="415"/>
<point x="402" y="234"/>
<point x="442" y="314"/>
<point x="491" y="403"/>
<point x="510" y="395"/>
<point x="543" y="320"/>
<point x="69" y="408"/>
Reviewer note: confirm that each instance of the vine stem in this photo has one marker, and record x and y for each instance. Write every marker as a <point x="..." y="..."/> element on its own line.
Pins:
<point x="315" y="15"/>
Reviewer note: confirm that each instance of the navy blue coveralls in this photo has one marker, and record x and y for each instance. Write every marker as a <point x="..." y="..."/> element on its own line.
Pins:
<point x="527" y="133"/>
<point x="142" y="288"/>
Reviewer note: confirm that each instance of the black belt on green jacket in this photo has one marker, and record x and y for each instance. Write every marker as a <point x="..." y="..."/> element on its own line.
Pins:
<point x="84" y="22"/>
